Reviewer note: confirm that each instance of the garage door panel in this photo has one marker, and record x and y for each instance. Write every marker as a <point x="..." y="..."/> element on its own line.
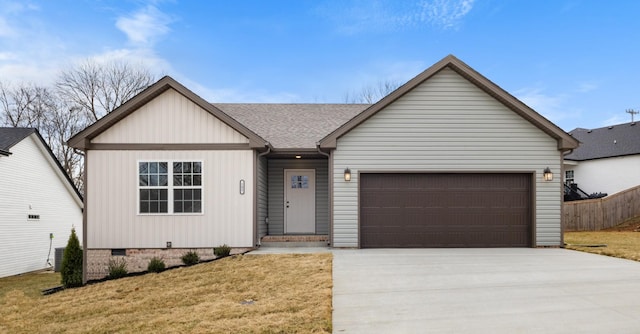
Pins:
<point x="445" y="210"/>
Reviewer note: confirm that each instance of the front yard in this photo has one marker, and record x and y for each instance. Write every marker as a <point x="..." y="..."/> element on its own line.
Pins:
<point x="622" y="241"/>
<point x="239" y="294"/>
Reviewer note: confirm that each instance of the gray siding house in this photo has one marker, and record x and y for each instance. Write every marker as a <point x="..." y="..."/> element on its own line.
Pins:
<point x="447" y="160"/>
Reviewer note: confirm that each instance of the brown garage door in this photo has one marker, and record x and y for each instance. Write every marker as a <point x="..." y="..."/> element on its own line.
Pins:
<point x="445" y="210"/>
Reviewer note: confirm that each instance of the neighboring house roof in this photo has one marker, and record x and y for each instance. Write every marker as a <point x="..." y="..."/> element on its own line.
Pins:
<point x="292" y="126"/>
<point x="9" y="137"/>
<point x="565" y="141"/>
<point x="606" y="142"/>
<point x="82" y="139"/>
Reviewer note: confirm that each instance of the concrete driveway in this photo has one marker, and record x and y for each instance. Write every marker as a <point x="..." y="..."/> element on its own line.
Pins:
<point x="484" y="291"/>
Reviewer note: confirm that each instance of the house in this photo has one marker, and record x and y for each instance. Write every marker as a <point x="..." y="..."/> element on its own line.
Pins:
<point x="607" y="161"/>
<point x="447" y="160"/>
<point x="40" y="204"/>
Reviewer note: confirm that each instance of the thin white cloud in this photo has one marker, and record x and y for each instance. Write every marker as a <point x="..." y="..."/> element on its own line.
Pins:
<point x="11" y="16"/>
<point x="551" y="106"/>
<point x="5" y="29"/>
<point x="385" y="15"/>
<point x="445" y="13"/>
<point x="586" y="87"/>
<point x="617" y="119"/>
<point x="144" y="27"/>
<point x="34" y="53"/>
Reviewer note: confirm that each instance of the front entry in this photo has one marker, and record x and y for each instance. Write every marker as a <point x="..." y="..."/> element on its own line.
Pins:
<point x="299" y="201"/>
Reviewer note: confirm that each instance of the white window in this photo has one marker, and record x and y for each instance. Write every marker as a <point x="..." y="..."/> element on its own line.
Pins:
<point x="166" y="187"/>
<point x="568" y="177"/>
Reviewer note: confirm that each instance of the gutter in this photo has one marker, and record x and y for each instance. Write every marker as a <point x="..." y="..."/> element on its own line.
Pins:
<point x="269" y="147"/>
<point x="320" y="150"/>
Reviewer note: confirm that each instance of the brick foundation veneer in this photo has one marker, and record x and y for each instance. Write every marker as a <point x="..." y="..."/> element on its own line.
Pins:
<point x="138" y="259"/>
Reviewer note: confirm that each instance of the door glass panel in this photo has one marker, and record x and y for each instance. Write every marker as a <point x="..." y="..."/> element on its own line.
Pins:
<point x="299" y="182"/>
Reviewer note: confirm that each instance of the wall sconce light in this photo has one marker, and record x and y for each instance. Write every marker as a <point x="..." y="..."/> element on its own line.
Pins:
<point x="241" y="187"/>
<point x="347" y="174"/>
<point x="547" y="175"/>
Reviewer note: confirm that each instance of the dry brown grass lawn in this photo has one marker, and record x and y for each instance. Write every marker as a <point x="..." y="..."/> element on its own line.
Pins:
<point x="621" y="241"/>
<point x="30" y="284"/>
<point x="240" y="294"/>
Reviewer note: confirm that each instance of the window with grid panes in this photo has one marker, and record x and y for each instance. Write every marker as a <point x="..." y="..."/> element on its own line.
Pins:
<point x="167" y="187"/>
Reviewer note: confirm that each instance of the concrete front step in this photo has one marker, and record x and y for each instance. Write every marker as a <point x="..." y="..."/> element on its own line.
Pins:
<point x="295" y="241"/>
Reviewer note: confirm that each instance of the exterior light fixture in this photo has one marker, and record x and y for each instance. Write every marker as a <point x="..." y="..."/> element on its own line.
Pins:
<point x="241" y="187"/>
<point x="547" y="174"/>
<point x="347" y="174"/>
<point x="298" y="156"/>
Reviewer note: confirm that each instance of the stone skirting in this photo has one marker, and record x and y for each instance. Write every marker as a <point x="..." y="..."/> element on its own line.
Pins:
<point x="138" y="259"/>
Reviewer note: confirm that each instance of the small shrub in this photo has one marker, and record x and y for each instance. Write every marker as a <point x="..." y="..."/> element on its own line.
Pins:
<point x="190" y="258"/>
<point x="117" y="268"/>
<point x="71" y="270"/>
<point x="156" y="265"/>
<point x="222" y="251"/>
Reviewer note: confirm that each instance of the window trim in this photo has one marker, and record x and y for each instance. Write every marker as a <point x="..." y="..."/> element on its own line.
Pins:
<point x="170" y="188"/>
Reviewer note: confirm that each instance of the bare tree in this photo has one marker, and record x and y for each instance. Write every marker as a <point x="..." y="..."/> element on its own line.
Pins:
<point x="98" y="88"/>
<point x="25" y="105"/>
<point x="81" y="96"/>
<point x="372" y="93"/>
<point x="32" y="106"/>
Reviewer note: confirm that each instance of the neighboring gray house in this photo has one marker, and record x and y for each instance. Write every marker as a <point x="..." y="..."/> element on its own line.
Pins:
<point x="608" y="159"/>
<point x="38" y="202"/>
<point x="447" y="160"/>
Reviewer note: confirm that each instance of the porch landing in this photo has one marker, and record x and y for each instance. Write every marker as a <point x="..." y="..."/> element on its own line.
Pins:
<point x="294" y="241"/>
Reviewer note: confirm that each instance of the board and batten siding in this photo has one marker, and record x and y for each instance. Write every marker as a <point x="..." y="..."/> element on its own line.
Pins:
<point x="31" y="185"/>
<point x="113" y="221"/>
<point x="262" y="204"/>
<point x="447" y="124"/>
<point x="165" y="119"/>
<point x="276" y="192"/>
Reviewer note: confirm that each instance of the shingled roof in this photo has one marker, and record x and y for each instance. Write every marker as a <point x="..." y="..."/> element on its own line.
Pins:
<point x="606" y="142"/>
<point x="291" y="126"/>
<point x="11" y="136"/>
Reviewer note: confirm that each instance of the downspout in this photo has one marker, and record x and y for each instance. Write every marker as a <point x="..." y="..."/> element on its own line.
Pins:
<point x="266" y="219"/>
<point x="562" y="175"/>
<point x="320" y="151"/>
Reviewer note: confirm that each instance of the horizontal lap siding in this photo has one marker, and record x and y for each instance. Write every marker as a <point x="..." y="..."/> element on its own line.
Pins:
<point x="30" y="185"/>
<point x="276" y="192"/>
<point x="170" y="118"/>
<point x="112" y="216"/>
<point x="446" y="124"/>
<point x="263" y="200"/>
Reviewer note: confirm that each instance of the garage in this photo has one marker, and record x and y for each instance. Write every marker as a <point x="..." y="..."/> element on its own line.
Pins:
<point x="411" y="210"/>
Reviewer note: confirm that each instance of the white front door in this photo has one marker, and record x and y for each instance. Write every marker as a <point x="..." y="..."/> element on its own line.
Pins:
<point x="299" y="201"/>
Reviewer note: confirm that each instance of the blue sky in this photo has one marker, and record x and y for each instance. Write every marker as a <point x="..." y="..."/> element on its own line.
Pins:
<point x="575" y="62"/>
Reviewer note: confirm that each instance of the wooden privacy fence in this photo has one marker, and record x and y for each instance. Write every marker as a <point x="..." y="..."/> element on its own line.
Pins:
<point x="601" y="213"/>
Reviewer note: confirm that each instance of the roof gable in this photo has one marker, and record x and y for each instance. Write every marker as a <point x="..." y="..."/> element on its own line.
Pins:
<point x="9" y="137"/>
<point x="565" y="141"/>
<point x="606" y="142"/>
<point x="82" y="140"/>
